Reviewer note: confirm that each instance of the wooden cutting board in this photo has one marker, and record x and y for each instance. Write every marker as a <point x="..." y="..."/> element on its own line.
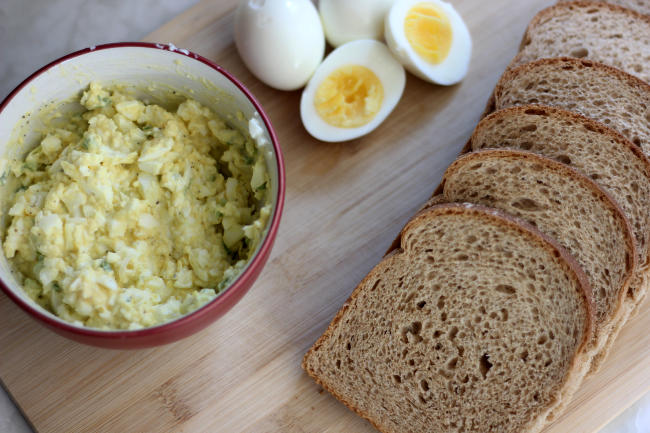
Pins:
<point x="345" y="204"/>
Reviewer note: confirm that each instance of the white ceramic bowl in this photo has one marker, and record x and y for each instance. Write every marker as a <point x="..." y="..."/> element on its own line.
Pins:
<point x="162" y="74"/>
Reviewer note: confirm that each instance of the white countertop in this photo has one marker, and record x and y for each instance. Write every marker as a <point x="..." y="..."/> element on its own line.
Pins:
<point x="35" y="32"/>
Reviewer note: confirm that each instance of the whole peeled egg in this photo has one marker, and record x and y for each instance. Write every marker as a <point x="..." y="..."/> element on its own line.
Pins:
<point x="346" y="20"/>
<point x="280" y="41"/>
<point x="430" y="39"/>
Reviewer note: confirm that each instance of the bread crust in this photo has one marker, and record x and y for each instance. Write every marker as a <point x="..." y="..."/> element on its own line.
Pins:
<point x="577" y="117"/>
<point x="566" y="63"/>
<point x="544" y="241"/>
<point x="552" y="10"/>
<point x="629" y="311"/>
<point x="572" y="115"/>
<point x="645" y="7"/>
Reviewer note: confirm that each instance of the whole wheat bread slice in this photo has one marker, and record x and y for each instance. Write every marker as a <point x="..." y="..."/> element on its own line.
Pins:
<point x="641" y="6"/>
<point x="636" y="294"/>
<point x="566" y="206"/>
<point x="608" y="95"/>
<point x="477" y="323"/>
<point x="602" y="32"/>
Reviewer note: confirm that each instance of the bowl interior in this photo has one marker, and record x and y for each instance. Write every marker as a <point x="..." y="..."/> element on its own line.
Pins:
<point x="151" y="73"/>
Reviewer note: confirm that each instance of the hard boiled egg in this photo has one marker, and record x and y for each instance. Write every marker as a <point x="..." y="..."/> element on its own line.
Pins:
<point x="345" y="20"/>
<point x="280" y="41"/>
<point x="352" y="91"/>
<point x="430" y="39"/>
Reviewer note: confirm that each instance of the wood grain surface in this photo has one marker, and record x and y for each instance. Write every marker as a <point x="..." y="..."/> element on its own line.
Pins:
<point x="345" y="204"/>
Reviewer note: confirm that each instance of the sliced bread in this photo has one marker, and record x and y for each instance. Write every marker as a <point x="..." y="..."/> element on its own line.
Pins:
<point x="477" y="323"/>
<point x="605" y="156"/>
<point x="566" y="206"/>
<point x="608" y="95"/>
<point x="601" y="153"/>
<point x="641" y="6"/>
<point x="602" y="32"/>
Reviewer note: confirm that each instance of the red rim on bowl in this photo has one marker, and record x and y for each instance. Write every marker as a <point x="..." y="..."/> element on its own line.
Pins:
<point x="203" y="316"/>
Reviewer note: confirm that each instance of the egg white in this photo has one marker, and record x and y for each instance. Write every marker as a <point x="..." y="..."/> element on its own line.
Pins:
<point x="453" y="68"/>
<point x="281" y="42"/>
<point x="373" y="55"/>
<point x="345" y="20"/>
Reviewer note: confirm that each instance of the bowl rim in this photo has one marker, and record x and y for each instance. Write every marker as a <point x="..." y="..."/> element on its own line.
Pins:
<point x="239" y="283"/>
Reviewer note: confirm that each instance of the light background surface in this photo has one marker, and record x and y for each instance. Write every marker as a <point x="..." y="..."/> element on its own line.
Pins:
<point x="35" y="32"/>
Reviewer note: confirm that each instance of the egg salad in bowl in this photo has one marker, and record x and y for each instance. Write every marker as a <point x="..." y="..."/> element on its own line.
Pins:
<point x="130" y="215"/>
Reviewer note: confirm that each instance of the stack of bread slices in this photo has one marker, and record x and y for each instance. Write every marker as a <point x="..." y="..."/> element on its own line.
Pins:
<point x="512" y="282"/>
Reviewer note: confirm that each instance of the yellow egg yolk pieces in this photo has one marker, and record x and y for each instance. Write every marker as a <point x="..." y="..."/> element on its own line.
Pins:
<point x="349" y="97"/>
<point x="429" y="31"/>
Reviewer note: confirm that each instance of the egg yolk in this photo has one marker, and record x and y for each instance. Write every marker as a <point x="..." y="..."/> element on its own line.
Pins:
<point x="429" y="32"/>
<point x="349" y="97"/>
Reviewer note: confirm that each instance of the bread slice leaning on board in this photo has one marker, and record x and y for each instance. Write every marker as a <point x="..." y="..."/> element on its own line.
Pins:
<point x="641" y="6"/>
<point x="477" y="323"/>
<point x="601" y="32"/>
<point x="600" y="92"/>
<point x="564" y="205"/>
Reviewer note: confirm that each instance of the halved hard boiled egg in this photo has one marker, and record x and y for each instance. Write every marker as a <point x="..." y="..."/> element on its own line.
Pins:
<point x="352" y="91"/>
<point x="430" y="39"/>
